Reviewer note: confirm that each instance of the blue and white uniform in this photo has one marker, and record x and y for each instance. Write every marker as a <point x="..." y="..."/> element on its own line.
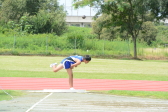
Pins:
<point x="67" y="62"/>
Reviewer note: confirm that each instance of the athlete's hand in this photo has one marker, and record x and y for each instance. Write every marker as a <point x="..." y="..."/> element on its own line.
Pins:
<point x="72" y="67"/>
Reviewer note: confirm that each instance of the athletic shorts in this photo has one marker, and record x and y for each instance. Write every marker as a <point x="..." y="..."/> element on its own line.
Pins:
<point x="67" y="63"/>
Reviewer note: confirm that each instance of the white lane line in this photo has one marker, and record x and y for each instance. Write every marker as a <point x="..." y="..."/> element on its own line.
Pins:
<point x="38" y="102"/>
<point x="60" y="91"/>
<point x="69" y="110"/>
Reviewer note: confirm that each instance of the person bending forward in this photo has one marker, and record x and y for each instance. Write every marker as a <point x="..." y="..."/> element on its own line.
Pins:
<point x="69" y="63"/>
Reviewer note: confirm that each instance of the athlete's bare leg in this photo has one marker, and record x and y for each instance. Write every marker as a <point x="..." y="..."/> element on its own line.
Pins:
<point x="70" y="73"/>
<point x="57" y="68"/>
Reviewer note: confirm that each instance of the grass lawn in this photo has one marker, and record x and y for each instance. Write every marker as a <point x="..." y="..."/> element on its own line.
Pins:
<point x="9" y="94"/>
<point x="38" y="66"/>
<point x="143" y="94"/>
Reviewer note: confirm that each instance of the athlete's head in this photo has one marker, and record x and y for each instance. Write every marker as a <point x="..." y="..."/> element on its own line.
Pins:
<point x="86" y="58"/>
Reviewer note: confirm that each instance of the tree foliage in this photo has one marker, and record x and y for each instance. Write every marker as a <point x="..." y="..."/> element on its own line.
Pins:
<point x="162" y="36"/>
<point x="97" y="26"/>
<point x="110" y="32"/>
<point x="34" y="16"/>
<point x="128" y="14"/>
<point x="12" y="10"/>
<point x="148" y="33"/>
<point x="32" y="6"/>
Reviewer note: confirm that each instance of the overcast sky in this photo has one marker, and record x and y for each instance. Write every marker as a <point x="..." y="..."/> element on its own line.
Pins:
<point x="87" y="11"/>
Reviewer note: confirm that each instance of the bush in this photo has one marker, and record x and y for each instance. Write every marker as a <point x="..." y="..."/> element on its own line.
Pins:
<point x="76" y="40"/>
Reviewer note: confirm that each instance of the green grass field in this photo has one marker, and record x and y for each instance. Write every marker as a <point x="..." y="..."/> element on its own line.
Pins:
<point x="38" y="66"/>
<point x="9" y="94"/>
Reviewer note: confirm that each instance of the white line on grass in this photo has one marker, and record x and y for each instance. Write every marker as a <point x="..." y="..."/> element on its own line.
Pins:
<point x="38" y="102"/>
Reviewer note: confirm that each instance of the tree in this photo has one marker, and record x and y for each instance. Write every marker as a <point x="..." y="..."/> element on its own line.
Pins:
<point x="32" y="6"/>
<point x="148" y="33"/>
<point x="12" y="10"/>
<point x="97" y="27"/>
<point x="109" y="32"/>
<point x="15" y="9"/>
<point x="49" y="19"/>
<point x="102" y="32"/>
<point x="37" y="16"/>
<point x="128" y="14"/>
<point x="162" y="37"/>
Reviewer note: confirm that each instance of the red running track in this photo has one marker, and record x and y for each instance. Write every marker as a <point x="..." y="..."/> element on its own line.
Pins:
<point x="17" y="83"/>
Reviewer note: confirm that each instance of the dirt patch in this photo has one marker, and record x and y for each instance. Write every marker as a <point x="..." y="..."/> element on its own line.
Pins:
<point x="82" y="102"/>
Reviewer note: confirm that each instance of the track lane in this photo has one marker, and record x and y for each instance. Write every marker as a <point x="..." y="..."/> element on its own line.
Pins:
<point x="20" y="83"/>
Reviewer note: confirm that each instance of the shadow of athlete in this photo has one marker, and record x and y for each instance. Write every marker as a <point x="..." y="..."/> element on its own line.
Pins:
<point x="69" y="63"/>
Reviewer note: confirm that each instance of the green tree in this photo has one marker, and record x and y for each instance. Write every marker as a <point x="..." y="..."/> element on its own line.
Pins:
<point x="109" y="32"/>
<point x="36" y="16"/>
<point x="15" y="9"/>
<point x="128" y="14"/>
<point x="32" y="6"/>
<point x="45" y="22"/>
<point x="162" y="35"/>
<point x="49" y="19"/>
<point x="101" y="31"/>
<point x="12" y="10"/>
<point x="97" y="27"/>
<point x="148" y="33"/>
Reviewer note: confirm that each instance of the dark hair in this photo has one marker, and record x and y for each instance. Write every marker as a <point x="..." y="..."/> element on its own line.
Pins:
<point x="87" y="58"/>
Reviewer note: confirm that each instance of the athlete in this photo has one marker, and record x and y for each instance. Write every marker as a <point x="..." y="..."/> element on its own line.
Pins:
<point x="69" y="63"/>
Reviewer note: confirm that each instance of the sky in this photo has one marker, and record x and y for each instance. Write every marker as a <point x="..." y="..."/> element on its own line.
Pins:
<point x="87" y="11"/>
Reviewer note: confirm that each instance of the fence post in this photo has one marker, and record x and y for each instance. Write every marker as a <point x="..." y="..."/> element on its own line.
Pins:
<point x="46" y="44"/>
<point x="128" y="48"/>
<point x="14" y="43"/>
<point x="103" y="46"/>
<point x="75" y="44"/>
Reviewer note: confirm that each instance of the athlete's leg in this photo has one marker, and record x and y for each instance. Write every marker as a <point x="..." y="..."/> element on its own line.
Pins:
<point x="70" y="73"/>
<point x="57" y="68"/>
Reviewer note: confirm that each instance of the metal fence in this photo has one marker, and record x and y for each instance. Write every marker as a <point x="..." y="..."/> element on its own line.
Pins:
<point x="54" y="45"/>
<point x="62" y="46"/>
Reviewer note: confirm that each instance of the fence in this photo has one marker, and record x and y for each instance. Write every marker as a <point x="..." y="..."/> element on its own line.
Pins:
<point x="53" y="45"/>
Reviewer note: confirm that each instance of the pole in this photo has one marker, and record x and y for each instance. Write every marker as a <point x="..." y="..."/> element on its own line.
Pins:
<point x="46" y="44"/>
<point x="71" y="8"/>
<point x="103" y="46"/>
<point x="14" y="43"/>
<point x="75" y="44"/>
<point x="90" y="10"/>
<point x="65" y="5"/>
<point x="128" y="48"/>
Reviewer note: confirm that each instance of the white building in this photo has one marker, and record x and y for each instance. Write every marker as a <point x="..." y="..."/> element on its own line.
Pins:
<point x="81" y="21"/>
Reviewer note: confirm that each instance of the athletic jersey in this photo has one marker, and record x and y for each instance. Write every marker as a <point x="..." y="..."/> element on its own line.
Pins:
<point x="69" y="60"/>
<point x="78" y="57"/>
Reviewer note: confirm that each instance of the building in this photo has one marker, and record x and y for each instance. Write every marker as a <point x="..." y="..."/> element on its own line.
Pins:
<point x="81" y="21"/>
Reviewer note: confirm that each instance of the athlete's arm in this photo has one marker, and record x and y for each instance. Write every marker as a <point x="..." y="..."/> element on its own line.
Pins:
<point x="78" y="62"/>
